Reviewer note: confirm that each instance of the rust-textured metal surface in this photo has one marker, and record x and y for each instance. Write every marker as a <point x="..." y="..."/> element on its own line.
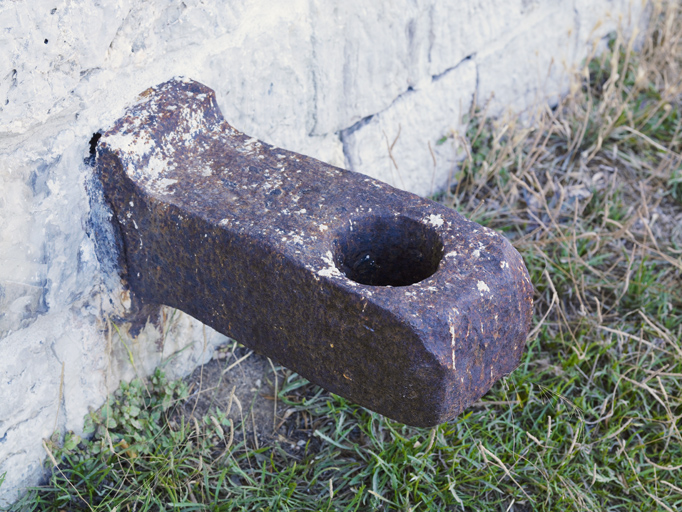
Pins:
<point x="388" y="299"/>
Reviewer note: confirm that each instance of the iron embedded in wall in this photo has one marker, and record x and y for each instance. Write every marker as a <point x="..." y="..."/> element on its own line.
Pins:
<point x="389" y="299"/>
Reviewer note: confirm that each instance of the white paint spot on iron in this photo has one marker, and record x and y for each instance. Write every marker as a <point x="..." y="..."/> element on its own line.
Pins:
<point x="323" y="227"/>
<point x="331" y="270"/>
<point x="224" y="222"/>
<point x="164" y="183"/>
<point x="435" y="220"/>
<point x="452" y="344"/>
<point x="132" y="143"/>
<point x="451" y="254"/>
<point x="482" y="287"/>
<point x="504" y="264"/>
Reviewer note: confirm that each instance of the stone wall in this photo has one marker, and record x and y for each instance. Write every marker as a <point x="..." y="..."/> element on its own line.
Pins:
<point x="343" y="81"/>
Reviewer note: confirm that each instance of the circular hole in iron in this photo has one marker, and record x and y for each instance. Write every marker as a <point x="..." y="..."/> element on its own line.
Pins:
<point x="387" y="251"/>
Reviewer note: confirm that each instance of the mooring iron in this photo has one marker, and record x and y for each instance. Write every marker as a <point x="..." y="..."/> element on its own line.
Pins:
<point x="393" y="301"/>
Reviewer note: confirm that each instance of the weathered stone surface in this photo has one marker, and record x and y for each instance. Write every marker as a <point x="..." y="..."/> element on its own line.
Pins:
<point x="391" y="300"/>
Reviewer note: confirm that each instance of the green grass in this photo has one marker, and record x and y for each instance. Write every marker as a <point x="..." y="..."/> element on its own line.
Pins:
<point x="591" y="195"/>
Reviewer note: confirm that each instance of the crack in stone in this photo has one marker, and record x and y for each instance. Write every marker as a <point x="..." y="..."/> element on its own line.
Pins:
<point x="347" y="132"/>
<point x="436" y="77"/>
<point x="313" y="49"/>
<point x="32" y="417"/>
<point x="12" y="454"/>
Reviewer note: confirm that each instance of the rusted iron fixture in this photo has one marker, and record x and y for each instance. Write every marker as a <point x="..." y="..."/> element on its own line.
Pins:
<point x="393" y="301"/>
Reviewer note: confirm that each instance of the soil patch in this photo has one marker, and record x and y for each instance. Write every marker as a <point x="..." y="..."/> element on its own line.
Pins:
<point x="240" y="383"/>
